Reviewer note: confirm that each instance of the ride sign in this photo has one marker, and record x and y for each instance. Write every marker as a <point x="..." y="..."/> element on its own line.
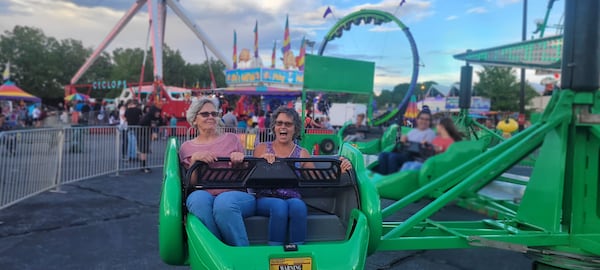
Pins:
<point x="102" y="85"/>
<point x="478" y="104"/>
<point x="253" y="76"/>
<point x="302" y="263"/>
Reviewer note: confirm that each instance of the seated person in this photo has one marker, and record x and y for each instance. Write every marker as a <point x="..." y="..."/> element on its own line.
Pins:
<point x="309" y="122"/>
<point x="360" y="127"/>
<point x="391" y="162"/>
<point x="221" y="210"/>
<point x="447" y="133"/>
<point x="284" y="206"/>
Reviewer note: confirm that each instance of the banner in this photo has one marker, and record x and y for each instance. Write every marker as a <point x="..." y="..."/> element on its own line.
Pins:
<point x="264" y="75"/>
<point x="478" y="104"/>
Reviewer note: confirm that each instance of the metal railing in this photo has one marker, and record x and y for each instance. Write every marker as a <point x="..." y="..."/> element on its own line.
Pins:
<point x="36" y="160"/>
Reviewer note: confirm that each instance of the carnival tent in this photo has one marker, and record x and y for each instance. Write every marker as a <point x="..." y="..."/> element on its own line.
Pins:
<point x="9" y="91"/>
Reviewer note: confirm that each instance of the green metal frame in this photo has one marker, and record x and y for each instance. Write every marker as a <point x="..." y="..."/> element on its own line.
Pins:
<point x="336" y="75"/>
<point x="564" y="181"/>
<point x="377" y="17"/>
<point x="376" y="146"/>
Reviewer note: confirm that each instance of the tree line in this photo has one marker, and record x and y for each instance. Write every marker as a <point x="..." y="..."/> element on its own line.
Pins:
<point x="43" y="65"/>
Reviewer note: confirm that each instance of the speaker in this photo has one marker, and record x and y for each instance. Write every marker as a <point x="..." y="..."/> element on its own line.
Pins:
<point x="466" y="79"/>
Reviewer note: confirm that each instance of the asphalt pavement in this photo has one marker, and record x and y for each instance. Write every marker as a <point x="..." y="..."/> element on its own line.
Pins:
<point x="111" y="222"/>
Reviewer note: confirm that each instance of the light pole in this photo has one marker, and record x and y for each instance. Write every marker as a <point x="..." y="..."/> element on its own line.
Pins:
<point x="422" y="95"/>
<point x="522" y="92"/>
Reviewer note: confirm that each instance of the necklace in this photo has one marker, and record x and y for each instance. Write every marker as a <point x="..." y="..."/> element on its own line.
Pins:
<point x="288" y="155"/>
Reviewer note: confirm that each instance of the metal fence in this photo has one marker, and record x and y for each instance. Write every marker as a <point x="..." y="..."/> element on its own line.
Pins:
<point x="36" y="160"/>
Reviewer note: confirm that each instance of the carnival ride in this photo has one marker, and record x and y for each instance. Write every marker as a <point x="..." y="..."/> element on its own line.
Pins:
<point x="377" y="17"/>
<point x="555" y="222"/>
<point x="157" y="11"/>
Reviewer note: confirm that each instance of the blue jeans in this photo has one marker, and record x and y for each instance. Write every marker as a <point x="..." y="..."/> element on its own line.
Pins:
<point x="391" y="162"/>
<point x="131" y="144"/>
<point x="224" y="214"/>
<point x="284" y="216"/>
<point x="411" y="165"/>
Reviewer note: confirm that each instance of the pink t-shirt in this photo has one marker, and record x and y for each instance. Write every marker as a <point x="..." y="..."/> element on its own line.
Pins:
<point x="443" y="143"/>
<point x="223" y="146"/>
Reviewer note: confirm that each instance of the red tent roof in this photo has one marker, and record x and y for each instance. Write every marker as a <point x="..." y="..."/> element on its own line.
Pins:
<point x="9" y="91"/>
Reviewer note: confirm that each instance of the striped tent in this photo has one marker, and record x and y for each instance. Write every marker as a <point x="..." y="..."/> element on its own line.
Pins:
<point x="9" y="91"/>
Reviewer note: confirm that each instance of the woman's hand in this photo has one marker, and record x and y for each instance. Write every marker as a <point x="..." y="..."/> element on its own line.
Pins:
<point x="346" y="165"/>
<point x="270" y="158"/>
<point x="206" y="157"/>
<point x="236" y="157"/>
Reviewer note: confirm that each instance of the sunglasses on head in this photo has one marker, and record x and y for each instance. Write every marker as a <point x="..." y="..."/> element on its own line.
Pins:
<point x="281" y="123"/>
<point x="206" y="114"/>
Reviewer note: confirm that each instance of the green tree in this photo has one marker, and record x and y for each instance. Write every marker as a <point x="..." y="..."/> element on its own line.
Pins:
<point x="395" y="96"/>
<point x="28" y="51"/>
<point x="42" y="65"/>
<point x="500" y="85"/>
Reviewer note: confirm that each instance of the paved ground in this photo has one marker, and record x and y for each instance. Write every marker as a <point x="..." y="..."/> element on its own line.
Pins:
<point x="111" y="223"/>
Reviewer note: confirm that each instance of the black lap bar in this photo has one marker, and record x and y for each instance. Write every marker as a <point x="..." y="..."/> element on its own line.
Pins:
<point x="257" y="173"/>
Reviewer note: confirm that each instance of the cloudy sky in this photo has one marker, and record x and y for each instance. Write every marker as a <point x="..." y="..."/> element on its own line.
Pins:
<point x="441" y="28"/>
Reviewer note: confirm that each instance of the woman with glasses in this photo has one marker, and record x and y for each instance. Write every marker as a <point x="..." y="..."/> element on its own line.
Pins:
<point x="221" y="210"/>
<point x="285" y="207"/>
<point x="391" y="162"/>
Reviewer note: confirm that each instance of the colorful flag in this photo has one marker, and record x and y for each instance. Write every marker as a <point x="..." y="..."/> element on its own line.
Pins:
<point x="6" y="74"/>
<point x="234" y="49"/>
<point x="273" y="54"/>
<point x="286" y="37"/>
<point x="327" y="12"/>
<point x="300" y="63"/>
<point x="256" y="40"/>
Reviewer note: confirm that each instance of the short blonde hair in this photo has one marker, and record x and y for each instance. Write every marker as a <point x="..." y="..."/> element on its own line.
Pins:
<point x="192" y="111"/>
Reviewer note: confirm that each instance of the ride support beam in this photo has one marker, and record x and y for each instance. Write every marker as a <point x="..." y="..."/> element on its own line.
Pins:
<point x="178" y="9"/>
<point x="162" y="12"/>
<point x="485" y="173"/>
<point x="156" y="37"/>
<point x="111" y="35"/>
<point x="581" y="46"/>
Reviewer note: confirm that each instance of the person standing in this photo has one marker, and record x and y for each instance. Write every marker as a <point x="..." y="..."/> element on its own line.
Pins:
<point x="133" y="114"/>
<point x="123" y="130"/>
<point x="229" y="119"/>
<point x="150" y="121"/>
<point x="173" y="125"/>
<point x="36" y="114"/>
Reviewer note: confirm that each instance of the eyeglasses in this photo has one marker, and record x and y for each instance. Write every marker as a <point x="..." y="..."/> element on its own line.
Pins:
<point x="206" y="114"/>
<point x="281" y="123"/>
